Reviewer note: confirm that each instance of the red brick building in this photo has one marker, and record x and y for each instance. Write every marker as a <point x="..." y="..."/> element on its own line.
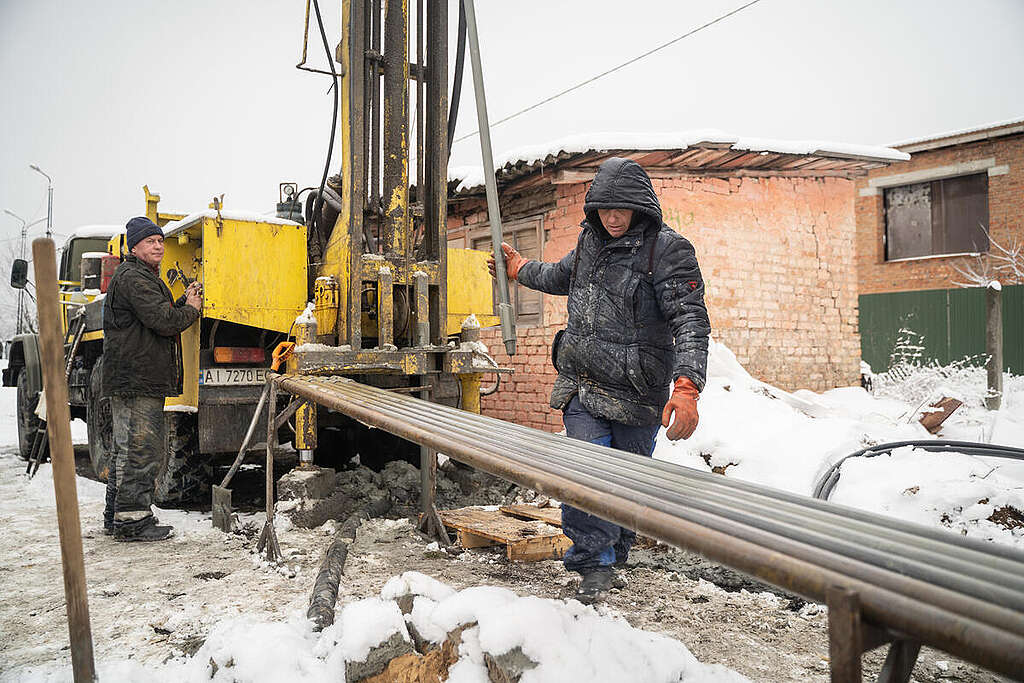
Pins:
<point x="772" y="223"/>
<point x="940" y="203"/>
<point x="920" y="224"/>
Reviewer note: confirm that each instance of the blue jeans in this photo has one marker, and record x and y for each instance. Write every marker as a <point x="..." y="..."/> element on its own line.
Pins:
<point x="597" y="543"/>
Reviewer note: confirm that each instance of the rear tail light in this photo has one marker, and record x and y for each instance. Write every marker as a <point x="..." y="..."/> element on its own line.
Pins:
<point x="238" y="354"/>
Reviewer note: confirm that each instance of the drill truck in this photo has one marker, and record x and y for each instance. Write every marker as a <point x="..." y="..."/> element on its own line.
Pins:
<point x="364" y="253"/>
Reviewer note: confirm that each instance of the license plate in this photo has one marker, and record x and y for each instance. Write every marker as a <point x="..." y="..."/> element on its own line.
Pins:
<point x="232" y="376"/>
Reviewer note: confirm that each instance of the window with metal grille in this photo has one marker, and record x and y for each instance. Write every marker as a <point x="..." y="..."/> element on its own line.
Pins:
<point x="947" y="216"/>
<point x="525" y="236"/>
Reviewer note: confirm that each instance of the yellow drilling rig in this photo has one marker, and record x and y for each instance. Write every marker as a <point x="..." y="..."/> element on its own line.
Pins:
<point x="363" y="252"/>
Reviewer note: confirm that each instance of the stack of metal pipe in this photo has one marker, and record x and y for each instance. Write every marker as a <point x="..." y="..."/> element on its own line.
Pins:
<point x="958" y="594"/>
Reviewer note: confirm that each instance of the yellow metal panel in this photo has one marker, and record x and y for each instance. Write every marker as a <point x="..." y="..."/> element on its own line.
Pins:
<point x="254" y="273"/>
<point x="469" y="289"/>
<point x="189" y="257"/>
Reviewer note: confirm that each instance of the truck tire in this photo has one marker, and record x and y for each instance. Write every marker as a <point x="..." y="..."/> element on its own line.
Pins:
<point x="185" y="474"/>
<point x="100" y="423"/>
<point x="28" y="422"/>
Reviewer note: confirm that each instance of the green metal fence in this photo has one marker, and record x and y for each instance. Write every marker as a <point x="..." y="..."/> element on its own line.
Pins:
<point x="950" y="321"/>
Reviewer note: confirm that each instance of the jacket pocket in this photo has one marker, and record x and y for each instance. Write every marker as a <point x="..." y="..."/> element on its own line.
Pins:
<point x="554" y="347"/>
<point x="646" y="369"/>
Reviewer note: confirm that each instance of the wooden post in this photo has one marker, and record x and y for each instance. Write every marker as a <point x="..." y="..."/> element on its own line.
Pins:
<point x="994" y="344"/>
<point x="58" y="423"/>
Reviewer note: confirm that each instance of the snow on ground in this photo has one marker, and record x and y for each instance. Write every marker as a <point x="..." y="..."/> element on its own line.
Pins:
<point x="252" y="614"/>
<point x="766" y="436"/>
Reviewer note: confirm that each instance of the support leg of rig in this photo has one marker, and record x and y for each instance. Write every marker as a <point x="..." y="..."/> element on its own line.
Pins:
<point x="899" y="662"/>
<point x="430" y="521"/>
<point x="845" y="644"/>
<point x="268" y="539"/>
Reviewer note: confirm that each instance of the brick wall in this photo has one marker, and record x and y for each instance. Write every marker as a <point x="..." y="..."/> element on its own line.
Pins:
<point x="778" y="263"/>
<point x="1006" y="217"/>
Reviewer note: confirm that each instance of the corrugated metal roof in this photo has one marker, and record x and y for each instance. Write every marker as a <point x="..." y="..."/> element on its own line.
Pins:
<point x="709" y="153"/>
<point x="962" y="136"/>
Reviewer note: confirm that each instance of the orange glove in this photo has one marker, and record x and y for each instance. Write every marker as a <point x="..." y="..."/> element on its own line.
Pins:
<point x="683" y="403"/>
<point x="513" y="261"/>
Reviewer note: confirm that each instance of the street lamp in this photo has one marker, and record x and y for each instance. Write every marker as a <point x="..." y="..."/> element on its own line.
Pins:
<point x="49" y="198"/>
<point x="21" y="292"/>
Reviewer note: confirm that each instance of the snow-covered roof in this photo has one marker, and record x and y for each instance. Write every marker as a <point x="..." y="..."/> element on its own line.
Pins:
<point x="250" y="216"/>
<point x="708" y="138"/>
<point x="955" y="137"/>
<point x="106" y="231"/>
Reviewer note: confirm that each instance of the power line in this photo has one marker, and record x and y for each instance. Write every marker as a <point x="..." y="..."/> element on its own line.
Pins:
<point x="612" y="70"/>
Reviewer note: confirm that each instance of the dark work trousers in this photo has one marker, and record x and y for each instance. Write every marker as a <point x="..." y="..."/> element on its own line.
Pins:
<point x="139" y="447"/>
<point x="595" y="542"/>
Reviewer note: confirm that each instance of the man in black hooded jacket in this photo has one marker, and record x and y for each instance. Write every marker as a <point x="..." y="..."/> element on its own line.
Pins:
<point x="637" y="325"/>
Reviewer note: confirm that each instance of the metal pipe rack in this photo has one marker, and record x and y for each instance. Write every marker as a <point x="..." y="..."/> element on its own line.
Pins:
<point x="884" y="580"/>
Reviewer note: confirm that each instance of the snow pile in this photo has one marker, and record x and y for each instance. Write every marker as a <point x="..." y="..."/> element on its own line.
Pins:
<point x="565" y="640"/>
<point x="568" y="642"/>
<point x="960" y="492"/>
<point x="307" y="317"/>
<point x="757" y="433"/>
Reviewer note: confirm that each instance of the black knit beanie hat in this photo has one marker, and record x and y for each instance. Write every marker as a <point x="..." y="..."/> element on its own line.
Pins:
<point x="139" y="228"/>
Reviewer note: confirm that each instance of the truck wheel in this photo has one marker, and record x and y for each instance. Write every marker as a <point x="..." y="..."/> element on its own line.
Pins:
<point x="185" y="475"/>
<point x="100" y="423"/>
<point x="28" y="422"/>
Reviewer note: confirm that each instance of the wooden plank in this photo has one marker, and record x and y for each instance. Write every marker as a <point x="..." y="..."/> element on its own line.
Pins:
<point x="492" y="524"/>
<point x="539" y="548"/>
<point x="938" y="412"/>
<point x="549" y="515"/>
<point x="468" y="540"/>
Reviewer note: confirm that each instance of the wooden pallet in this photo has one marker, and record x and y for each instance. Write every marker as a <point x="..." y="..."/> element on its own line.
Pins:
<point x="548" y="515"/>
<point x="524" y="540"/>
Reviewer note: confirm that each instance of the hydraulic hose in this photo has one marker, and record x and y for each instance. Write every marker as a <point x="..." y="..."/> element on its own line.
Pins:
<point x="823" y="487"/>
<point x="334" y="116"/>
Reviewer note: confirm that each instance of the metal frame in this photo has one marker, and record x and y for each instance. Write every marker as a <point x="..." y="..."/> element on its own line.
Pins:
<point x="884" y="580"/>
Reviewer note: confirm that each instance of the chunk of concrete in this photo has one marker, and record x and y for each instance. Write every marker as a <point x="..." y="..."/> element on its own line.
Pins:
<point x="508" y="667"/>
<point x="312" y="483"/>
<point x="378" y="659"/>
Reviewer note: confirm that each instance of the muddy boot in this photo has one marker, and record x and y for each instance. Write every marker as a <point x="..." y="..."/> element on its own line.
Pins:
<point x="596" y="582"/>
<point x="143" y="530"/>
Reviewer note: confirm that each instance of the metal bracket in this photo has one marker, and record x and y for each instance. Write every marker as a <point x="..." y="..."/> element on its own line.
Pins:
<point x="849" y="638"/>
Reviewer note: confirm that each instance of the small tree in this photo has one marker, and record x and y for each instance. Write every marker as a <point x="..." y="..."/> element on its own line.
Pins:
<point x="1001" y="265"/>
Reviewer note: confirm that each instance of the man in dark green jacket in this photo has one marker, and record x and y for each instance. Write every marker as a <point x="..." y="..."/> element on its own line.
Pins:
<point x="142" y="325"/>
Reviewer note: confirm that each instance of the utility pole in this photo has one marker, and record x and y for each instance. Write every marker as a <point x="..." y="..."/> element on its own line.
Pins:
<point x="21" y="292"/>
<point x="49" y="199"/>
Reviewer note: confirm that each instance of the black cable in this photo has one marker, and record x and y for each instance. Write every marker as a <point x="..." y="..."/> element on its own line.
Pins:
<point x="334" y="119"/>
<point x="826" y="482"/>
<point x="612" y="70"/>
<point x="460" y="64"/>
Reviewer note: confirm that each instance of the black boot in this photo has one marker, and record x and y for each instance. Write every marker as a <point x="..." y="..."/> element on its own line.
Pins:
<point x="143" y="530"/>
<point x="595" y="584"/>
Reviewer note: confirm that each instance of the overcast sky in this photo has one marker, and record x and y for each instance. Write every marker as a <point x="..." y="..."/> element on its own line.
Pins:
<point x="201" y="97"/>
